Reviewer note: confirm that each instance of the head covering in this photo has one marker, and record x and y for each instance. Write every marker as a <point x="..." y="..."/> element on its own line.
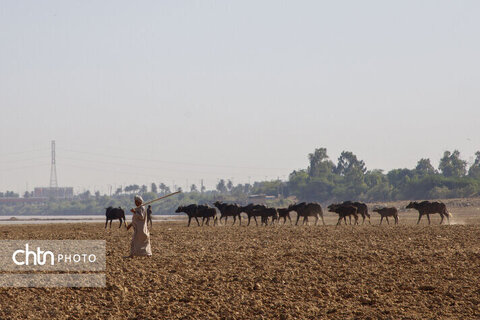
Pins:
<point x="138" y="199"/>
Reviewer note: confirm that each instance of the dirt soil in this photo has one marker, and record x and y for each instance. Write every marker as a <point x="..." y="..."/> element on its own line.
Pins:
<point x="279" y="272"/>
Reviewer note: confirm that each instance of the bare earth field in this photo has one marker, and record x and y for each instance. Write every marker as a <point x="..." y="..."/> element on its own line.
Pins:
<point x="279" y="272"/>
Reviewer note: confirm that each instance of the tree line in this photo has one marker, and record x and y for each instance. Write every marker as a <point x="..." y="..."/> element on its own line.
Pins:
<point x="322" y="181"/>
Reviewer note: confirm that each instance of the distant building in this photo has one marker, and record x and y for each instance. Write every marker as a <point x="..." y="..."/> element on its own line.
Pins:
<point x="56" y="193"/>
<point x="260" y="198"/>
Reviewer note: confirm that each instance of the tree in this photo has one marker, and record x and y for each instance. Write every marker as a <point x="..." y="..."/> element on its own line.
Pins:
<point x="424" y="167"/>
<point x="153" y="188"/>
<point x="162" y="188"/>
<point x="132" y="188"/>
<point x="143" y="189"/>
<point x="474" y="170"/>
<point x="319" y="163"/>
<point x="451" y="165"/>
<point x="229" y="185"/>
<point x="348" y="162"/>
<point x="85" y="195"/>
<point x="193" y="188"/>
<point x="118" y="191"/>
<point x="202" y="189"/>
<point x="221" y="187"/>
<point x="167" y="190"/>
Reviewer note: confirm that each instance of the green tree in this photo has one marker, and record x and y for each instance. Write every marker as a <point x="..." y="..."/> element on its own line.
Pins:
<point x="229" y="185"/>
<point x="451" y="165"/>
<point x="348" y="163"/>
<point x="424" y="167"/>
<point x="320" y="165"/>
<point x="193" y="188"/>
<point x="153" y="188"/>
<point x="221" y="186"/>
<point x="474" y="170"/>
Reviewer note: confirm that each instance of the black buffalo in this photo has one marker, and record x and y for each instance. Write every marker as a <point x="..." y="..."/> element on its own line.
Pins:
<point x="306" y="210"/>
<point x="428" y="208"/>
<point x="343" y="212"/>
<point x="207" y="213"/>
<point x="113" y="214"/>
<point x="191" y="211"/>
<point x="252" y="211"/>
<point x="362" y="209"/>
<point x="229" y="210"/>
<point x="266" y="213"/>
<point x="284" y="213"/>
<point x="387" y="212"/>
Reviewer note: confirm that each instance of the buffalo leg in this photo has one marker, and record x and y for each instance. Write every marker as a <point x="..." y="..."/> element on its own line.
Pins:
<point x="234" y="220"/>
<point x="340" y="220"/>
<point x="111" y="223"/>
<point x="428" y="217"/>
<point x="419" y="217"/>
<point x="387" y="220"/>
<point x="305" y="219"/>
<point x="249" y="218"/>
<point x="396" y="219"/>
<point x="189" y="220"/>
<point x="120" y="223"/>
<point x="381" y="220"/>
<point x="256" y="222"/>
<point x="441" y="216"/>
<point x="240" y="219"/>
<point x="316" y="219"/>
<point x="197" y="221"/>
<point x="298" y="218"/>
<point x="288" y="215"/>
<point x="323" y="221"/>
<point x="106" y="222"/>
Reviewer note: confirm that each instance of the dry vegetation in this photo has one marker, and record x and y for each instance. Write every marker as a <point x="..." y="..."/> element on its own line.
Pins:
<point x="280" y="272"/>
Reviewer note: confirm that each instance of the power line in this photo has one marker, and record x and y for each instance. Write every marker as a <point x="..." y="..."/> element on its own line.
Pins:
<point x="171" y="162"/>
<point x="21" y="152"/>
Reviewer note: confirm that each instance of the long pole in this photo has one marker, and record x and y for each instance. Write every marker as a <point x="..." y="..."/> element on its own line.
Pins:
<point x="149" y="202"/>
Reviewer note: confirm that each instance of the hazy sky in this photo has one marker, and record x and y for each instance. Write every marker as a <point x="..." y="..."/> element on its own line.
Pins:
<point x="177" y="91"/>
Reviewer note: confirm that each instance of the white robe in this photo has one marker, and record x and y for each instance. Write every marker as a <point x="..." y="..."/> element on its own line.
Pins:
<point x="141" y="237"/>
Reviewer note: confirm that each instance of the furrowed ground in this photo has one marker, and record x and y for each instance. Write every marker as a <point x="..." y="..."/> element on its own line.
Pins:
<point x="279" y="272"/>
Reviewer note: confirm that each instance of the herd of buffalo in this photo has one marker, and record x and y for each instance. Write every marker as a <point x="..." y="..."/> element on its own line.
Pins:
<point x="346" y="209"/>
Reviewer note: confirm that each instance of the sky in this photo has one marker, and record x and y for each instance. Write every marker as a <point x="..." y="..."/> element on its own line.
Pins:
<point x="180" y="91"/>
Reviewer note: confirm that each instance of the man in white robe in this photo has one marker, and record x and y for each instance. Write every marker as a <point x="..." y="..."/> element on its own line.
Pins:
<point x="140" y="245"/>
